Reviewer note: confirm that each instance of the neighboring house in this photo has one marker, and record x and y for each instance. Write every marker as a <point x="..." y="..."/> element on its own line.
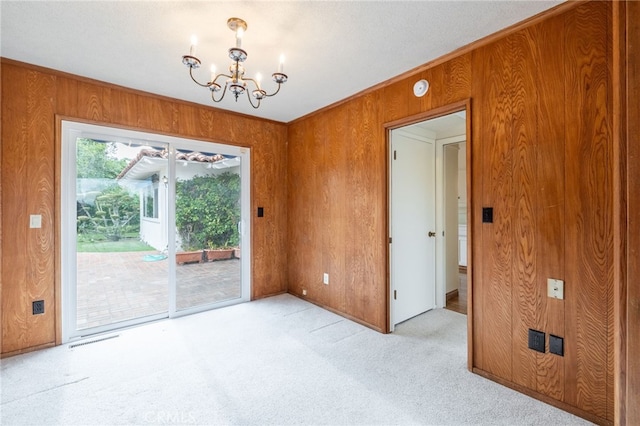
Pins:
<point x="148" y="174"/>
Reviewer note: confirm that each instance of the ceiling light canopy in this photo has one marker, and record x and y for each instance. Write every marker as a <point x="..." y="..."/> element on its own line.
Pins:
<point x="235" y="82"/>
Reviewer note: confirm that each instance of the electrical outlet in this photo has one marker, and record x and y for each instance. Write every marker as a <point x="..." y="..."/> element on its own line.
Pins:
<point x="556" y="345"/>
<point x="325" y="279"/>
<point x="35" y="221"/>
<point x="304" y="291"/>
<point x="37" y="307"/>
<point x="536" y="340"/>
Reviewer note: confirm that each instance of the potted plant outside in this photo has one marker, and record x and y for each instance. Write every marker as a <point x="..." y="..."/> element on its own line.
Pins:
<point x="213" y="253"/>
<point x="189" y="252"/>
<point x="185" y="257"/>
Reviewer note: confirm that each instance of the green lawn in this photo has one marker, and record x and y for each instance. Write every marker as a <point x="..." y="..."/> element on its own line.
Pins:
<point x="123" y="245"/>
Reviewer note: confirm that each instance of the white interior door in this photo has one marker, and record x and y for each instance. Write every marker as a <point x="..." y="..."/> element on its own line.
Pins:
<point x="412" y="248"/>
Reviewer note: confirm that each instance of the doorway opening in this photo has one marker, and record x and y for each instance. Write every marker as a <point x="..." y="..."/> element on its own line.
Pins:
<point x="454" y="196"/>
<point x="134" y="206"/>
<point x="428" y="209"/>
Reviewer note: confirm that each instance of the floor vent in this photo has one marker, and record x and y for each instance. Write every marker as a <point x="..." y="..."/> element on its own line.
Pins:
<point x="88" y="342"/>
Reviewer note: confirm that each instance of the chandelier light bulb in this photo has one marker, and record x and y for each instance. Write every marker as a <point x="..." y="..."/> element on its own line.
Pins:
<point x="194" y="43"/>
<point x="239" y="35"/>
<point x="213" y="72"/>
<point x="258" y="79"/>
<point x="281" y="64"/>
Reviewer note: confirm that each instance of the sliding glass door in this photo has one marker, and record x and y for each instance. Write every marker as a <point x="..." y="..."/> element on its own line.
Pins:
<point x="152" y="227"/>
<point x="207" y="206"/>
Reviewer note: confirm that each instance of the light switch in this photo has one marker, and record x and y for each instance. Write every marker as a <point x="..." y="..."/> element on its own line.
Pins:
<point x="35" y="221"/>
<point x="555" y="288"/>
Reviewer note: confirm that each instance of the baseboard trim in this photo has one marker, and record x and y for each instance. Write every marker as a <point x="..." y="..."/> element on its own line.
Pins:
<point x="264" y="296"/>
<point x="452" y="294"/>
<point x="544" y="398"/>
<point x="337" y="312"/>
<point x="27" y="350"/>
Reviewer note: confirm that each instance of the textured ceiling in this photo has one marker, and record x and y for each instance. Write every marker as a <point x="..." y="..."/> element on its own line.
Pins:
<point x="333" y="49"/>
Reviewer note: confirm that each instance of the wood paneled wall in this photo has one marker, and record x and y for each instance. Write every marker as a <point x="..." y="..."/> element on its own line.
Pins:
<point x="542" y="157"/>
<point x="339" y="210"/>
<point x="28" y="178"/>
<point x="32" y="98"/>
<point x="631" y="362"/>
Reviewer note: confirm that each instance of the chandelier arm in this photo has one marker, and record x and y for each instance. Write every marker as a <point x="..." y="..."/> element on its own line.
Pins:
<point x="196" y="81"/>
<point x="224" y="92"/>
<point x="276" y="92"/>
<point x="255" y="106"/>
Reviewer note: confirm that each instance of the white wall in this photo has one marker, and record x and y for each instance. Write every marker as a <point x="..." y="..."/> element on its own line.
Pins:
<point x="153" y="231"/>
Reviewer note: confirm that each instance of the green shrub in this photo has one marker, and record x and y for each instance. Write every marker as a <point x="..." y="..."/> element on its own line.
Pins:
<point x="208" y="211"/>
<point x="112" y="214"/>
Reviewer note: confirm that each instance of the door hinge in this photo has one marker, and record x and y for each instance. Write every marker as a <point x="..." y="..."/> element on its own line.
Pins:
<point x="390" y="240"/>
<point x="394" y="155"/>
<point x="395" y="294"/>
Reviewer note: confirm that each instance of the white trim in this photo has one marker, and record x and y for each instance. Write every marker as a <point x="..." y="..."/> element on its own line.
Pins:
<point x="416" y="133"/>
<point x="68" y="264"/>
<point x="453" y="139"/>
<point x="171" y="232"/>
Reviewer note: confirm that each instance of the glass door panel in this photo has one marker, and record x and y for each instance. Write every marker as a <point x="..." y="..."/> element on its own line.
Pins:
<point x="121" y="267"/>
<point x="208" y="214"/>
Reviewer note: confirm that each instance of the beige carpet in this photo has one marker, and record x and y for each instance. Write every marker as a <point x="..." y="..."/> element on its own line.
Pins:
<point x="275" y="361"/>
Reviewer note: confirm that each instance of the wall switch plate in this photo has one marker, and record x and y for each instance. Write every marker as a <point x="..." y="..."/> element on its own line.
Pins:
<point x="556" y="345"/>
<point x="487" y="215"/>
<point x="536" y="340"/>
<point x="35" y="221"/>
<point x="325" y="279"/>
<point x="37" y="307"/>
<point x="555" y="288"/>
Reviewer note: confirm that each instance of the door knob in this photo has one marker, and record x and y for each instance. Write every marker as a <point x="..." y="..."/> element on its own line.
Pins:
<point x="432" y="234"/>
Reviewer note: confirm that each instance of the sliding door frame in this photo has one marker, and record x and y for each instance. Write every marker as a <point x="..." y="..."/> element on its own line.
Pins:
<point x="66" y="286"/>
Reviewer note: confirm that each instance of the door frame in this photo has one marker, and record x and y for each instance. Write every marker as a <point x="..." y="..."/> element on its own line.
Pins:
<point x="464" y="105"/>
<point x="66" y="127"/>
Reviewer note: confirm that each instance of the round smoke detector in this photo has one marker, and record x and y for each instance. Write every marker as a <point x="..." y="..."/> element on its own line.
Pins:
<point x="420" y="88"/>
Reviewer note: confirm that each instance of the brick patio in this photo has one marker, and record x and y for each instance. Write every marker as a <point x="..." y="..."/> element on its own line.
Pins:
<point x="115" y="287"/>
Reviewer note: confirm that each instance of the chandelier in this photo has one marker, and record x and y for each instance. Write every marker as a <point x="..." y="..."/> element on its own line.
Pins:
<point x="235" y="81"/>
